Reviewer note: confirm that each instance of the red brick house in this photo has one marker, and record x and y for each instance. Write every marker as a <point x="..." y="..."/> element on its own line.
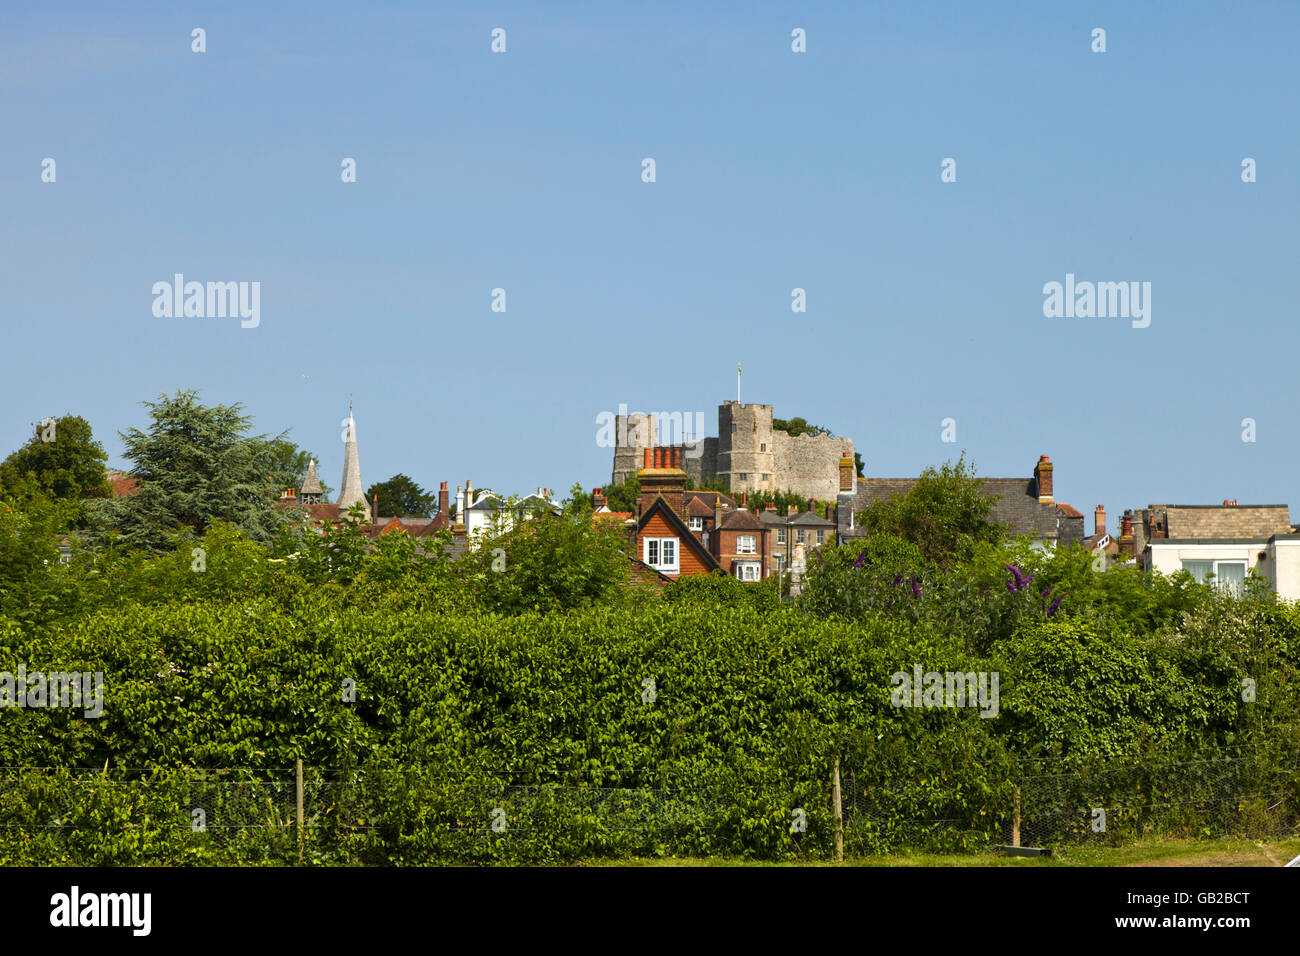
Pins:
<point x="742" y="545"/>
<point x="661" y="539"/>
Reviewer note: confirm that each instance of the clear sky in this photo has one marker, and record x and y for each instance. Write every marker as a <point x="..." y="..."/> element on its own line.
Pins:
<point x="774" y="170"/>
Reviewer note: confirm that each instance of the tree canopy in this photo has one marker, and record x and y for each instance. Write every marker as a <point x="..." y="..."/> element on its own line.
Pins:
<point x="62" y="460"/>
<point x="943" y="514"/>
<point x="197" y="464"/>
<point x="401" y="497"/>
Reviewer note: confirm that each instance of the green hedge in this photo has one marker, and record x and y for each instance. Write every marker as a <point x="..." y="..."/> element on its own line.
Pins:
<point x="752" y="701"/>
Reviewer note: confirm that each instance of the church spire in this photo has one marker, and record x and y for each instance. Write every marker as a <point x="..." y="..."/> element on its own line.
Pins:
<point x="353" y="491"/>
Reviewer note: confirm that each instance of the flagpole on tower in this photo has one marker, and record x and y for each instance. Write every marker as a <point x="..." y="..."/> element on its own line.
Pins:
<point x="737" y="383"/>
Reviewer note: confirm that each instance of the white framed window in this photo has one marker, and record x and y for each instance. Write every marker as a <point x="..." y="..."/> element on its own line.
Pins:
<point x="780" y="535"/>
<point x="763" y="446"/>
<point x="660" y="553"/>
<point x="697" y="524"/>
<point x="747" y="544"/>
<point x="743" y="476"/>
<point x="798" y="536"/>
<point x="747" y="570"/>
<point x="821" y="535"/>
<point x="1229" y="575"/>
<point x="780" y="563"/>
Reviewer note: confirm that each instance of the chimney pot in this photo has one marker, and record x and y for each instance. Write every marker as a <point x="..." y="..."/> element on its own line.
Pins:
<point x="1099" y="520"/>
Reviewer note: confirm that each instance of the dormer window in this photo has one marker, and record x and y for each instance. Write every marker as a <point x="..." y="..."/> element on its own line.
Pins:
<point x="660" y="553"/>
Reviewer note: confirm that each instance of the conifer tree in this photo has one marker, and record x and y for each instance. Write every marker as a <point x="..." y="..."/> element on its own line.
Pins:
<point x="196" y="464"/>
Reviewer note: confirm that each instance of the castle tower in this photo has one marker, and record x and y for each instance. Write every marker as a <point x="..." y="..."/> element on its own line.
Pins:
<point x="353" y="491"/>
<point x="635" y="433"/>
<point x="746" y="447"/>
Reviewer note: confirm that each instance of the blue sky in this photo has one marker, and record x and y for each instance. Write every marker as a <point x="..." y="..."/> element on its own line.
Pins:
<point x="775" y="170"/>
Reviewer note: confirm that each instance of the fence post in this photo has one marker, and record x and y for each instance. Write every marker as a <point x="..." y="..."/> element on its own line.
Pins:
<point x="300" y="815"/>
<point x="837" y="808"/>
<point x="1015" y="821"/>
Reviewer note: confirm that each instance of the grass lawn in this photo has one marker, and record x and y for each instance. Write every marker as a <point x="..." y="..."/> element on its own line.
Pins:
<point x="1145" y="853"/>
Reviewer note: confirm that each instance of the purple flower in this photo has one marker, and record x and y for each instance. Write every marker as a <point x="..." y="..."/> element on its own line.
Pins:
<point x="916" y="589"/>
<point x="898" y="580"/>
<point x="1021" y="580"/>
<point x="861" y="558"/>
<point x="1055" y="604"/>
<point x="1011" y="587"/>
<point x="1048" y="591"/>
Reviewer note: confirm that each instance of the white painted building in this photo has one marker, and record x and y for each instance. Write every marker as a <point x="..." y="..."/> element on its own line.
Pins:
<point x="478" y="510"/>
<point x="1230" y="560"/>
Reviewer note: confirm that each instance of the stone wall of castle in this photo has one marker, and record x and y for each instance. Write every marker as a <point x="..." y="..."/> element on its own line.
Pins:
<point x="810" y="464"/>
<point x="748" y="454"/>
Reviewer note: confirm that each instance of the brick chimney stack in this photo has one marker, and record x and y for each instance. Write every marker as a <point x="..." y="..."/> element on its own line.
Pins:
<point x="598" y="499"/>
<point x="663" y="478"/>
<point x="1043" y="476"/>
<point x="847" y="472"/>
<point x="1099" y="520"/>
<point x="443" y="503"/>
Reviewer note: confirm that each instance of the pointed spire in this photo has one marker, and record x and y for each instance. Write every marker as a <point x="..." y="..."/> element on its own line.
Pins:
<point x="311" y="484"/>
<point x="353" y="491"/>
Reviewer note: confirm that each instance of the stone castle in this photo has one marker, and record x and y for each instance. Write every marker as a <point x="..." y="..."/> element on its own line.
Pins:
<point x="748" y="454"/>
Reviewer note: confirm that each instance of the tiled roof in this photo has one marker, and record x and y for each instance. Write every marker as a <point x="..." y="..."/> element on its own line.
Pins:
<point x="1070" y="510"/>
<point x="742" y="519"/>
<point x="121" y="484"/>
<point x="711" y="498"/>
<point x="323" y="511"/>
<point x="688" y="540"/>
<point x="698" y="509"/>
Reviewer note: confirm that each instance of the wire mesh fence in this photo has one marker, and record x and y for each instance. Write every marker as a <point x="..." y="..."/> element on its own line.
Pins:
<point x="1115" y="804"/>
<point x="412" y="816"/>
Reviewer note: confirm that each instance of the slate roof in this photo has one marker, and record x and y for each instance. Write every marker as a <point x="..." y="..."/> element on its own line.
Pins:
<point x="1227" y="521"/>
<point x="810" y="518"/>
<point x="1016" y="503"/>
